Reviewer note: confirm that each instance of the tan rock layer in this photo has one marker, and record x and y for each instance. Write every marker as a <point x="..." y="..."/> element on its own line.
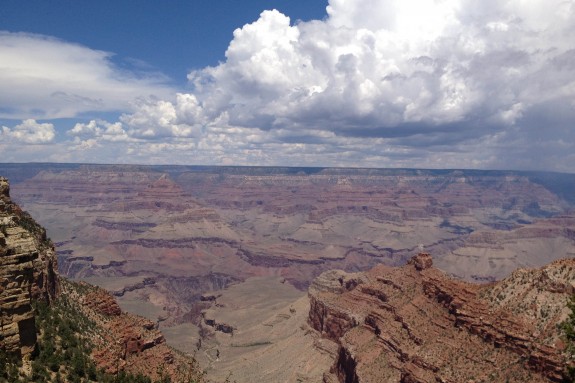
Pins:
<point x="28" y="272"/>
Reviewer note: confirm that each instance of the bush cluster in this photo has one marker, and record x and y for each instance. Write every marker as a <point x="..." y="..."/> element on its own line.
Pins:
<point x="62" y="354"/>
<point x="569" y="332"/>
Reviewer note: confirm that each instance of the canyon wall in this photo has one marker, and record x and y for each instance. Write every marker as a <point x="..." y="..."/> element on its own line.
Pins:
<point x="28" y="272"/>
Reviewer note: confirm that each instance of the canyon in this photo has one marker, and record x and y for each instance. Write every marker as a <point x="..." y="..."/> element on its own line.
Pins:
<point x="186" y="247"/>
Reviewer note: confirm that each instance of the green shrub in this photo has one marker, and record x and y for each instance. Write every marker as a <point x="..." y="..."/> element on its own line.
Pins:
<point x="569" y="332"/>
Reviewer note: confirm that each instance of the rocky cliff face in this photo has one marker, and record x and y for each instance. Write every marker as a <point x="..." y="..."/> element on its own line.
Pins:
<point x="122" y="341"/>
<point x="28" y="272"/>
<point x="414" y="324"/>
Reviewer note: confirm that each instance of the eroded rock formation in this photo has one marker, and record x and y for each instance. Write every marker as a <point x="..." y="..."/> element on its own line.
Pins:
<point x="415" y="324"/>
<point x="28" y="272"/>
<point x="122" y="341"/>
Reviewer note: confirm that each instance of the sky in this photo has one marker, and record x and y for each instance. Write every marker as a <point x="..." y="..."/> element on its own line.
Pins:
<point x="480" y="84"/>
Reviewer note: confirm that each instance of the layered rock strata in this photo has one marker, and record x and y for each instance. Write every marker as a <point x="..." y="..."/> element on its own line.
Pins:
<point x="122" y="342"/>
<point x="28" y="272"/>
<point x="178" y="226"/>
<point x="414" y="324"/>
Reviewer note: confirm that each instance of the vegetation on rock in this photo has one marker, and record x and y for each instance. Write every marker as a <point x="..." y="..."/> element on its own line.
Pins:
<point x="63" y="352"/>
<point x="569" y="331"/>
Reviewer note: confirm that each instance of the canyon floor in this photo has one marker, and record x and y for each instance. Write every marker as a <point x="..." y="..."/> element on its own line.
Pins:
<point x="226" y="255"/>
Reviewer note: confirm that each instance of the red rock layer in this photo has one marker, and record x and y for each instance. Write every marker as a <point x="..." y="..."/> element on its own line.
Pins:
<point x="123" y="341"/>
<point x="414" y="324"/>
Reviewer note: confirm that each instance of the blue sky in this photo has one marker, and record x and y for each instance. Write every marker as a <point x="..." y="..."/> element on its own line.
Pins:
<point x="375" y="83"/>
<point x="173" y="37"/>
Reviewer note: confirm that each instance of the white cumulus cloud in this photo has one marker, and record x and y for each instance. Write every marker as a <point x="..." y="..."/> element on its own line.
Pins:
<point x="28" y="132"/>
<point x="459" y="81"/>
<point x="156" y="119"/>
<point x="374" y="64"/>
<point x="412" y="83"/>
<point x="102" y="130"/>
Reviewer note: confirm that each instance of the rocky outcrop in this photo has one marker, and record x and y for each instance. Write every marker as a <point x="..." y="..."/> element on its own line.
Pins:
<point x="325" y="315"/>
<point x="28" y="272"/>
<point x="136" y="286"/>
<point x="102" y="303"/>
<point x="421" y="261"/>
<point x="415" y="324"/>
<point x="500" y="328"/>
<point x="208" y="319"/>
<point x="121" y="341"/>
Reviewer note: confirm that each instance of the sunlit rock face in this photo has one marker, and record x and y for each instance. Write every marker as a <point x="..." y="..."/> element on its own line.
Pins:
<point x="28" y="272"/>
<point x="416" y="324"/>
